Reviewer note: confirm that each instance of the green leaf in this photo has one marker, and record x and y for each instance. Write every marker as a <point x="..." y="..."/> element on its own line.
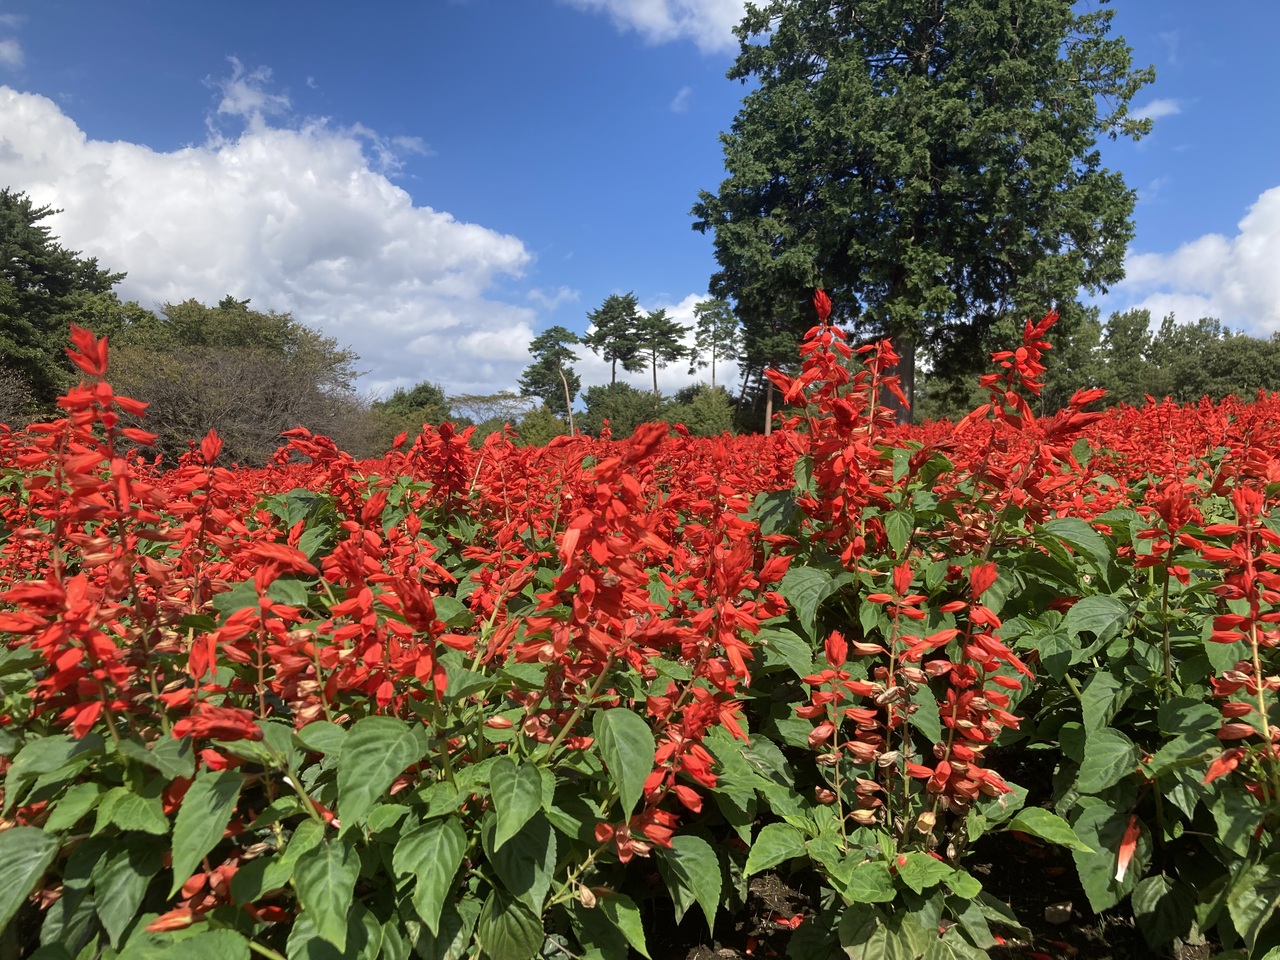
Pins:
<point x="205" y="812"/>
<point x="774" y="843"/>
<point x="516" y="792"/>
<point x="205" y="945"/>
<point x="1109" y="757"/>
<point x="627" y="747"/>
<point x="322" y="737"/>
<point x="1163" y="909"/>
<point x="1084" y="539"/>
<point x="898" y="526"/>
<point x="120" y="882"/>
<point x="867" y="934"/>
<point x="691" y="870"/>
<point x="1042" y="823"/>
<point x="507" y="929"/>
<point x="1102" y="828"/>
<point x="625" y="915"/>
<point x="1101" y="616"/>
<point x="45" y="755"/>
<point x="133" y="811"/>
<point x="364" y="938"/>
<point x="870" y="882"/>
<point x="173" y="757"/>
<point x="805" y="588"/>
<point x="376" y="751"/>
<point x="926" y="718"/>
<point x="325" y="879"/>
<point x="77" y="802"/>
<point x="451" y="942"/>
<point x="921" y="871"/>
<point x="796" y="653"/>
<point x="25" y="854"/>
<point x="1102" y="698"/>
<point x="1254" y="898"/>
<point x="432" y="853"/>
<point x="526" y="862"/>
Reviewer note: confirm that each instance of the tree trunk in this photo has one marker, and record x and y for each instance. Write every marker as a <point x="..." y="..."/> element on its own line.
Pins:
<point x="904" y="346"/>
<point x="768" y="408"/>
<point x="713" y="371"/>
<point x="655" y="378"/>
<point x="613" y="373"/>
<point x="568" y="404"/>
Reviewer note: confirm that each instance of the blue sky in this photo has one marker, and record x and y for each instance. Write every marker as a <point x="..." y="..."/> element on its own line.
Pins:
<point x="435" y="182"/>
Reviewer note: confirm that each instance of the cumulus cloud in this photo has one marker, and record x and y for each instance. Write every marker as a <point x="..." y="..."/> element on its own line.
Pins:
<point x="1232" y="278"/>
<point x="10" y="53"/>
<point x="299" y="216"/>
<point x="1156" y="109"/>
<point x="708" y="23"/>
<point x="680" y="102"/>
<point x="555" y="299"/>
<point x="676" y="376"/>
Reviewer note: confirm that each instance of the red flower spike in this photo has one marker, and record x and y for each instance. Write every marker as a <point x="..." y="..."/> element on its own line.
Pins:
<point x="822" y="304"/>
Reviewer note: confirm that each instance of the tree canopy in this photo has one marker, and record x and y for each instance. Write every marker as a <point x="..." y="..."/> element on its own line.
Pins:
<point x="613" y="336"/>
<point x="551" y="377"/>
<point x="931" y="163"/>
<point x="715" y="336"/>
<point x="661" y="342"/>
<point x="43" y="288"/>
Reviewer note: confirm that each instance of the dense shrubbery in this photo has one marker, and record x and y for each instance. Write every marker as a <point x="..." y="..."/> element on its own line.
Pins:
<point x="457" y="701"/>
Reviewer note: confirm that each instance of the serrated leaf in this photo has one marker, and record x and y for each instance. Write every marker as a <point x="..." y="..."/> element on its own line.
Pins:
<point x="870" y="882"/>
<point x="525" y="863"/>
<point x="133" y="811"/>
<point x="1101" y="616"/>
<point x="1042" y="823"/>
<point x="622" y="912"/>
<point x="627" y="747"/>
<point x="45" y="755"/>
<point x="507" y="929"/>
<point x="805" y="588"/>
<point x="364" y="938"/>
<point x="205" y="812"/>
<point x="692" y="873"/>
<point x="1163" y="909"/>
<point x="1109" y="757"/>
<point x="173" y="757"/>
<point x="120" y="882"/>
<point x="775" y="843"/>
<point x="77" y="802"/>
<point x="920" y="872"/>
<point x="898" y="526"/>
<point x="322" y="737"/>
<point x="1084" y="539"/>
<point x="516" y="792"/>
<point x="432" y="854"/>
<point x="205" y="945"/>
<point x="1254" y="897"/>
<point x="375" y="751"/>
<point x="325" y="879"/>
<point x="1102" y="829"/>
<point x="25" y="854"/>
<point x="451" y="943"/>
<point x="1102" y="698"/>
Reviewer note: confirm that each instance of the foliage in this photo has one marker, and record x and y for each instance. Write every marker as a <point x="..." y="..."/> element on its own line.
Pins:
<point x="716" y="336"/>
<point x="660" y="342"/>
<point x="707" y="412"/>
<point x="622" y="406"/>
<point x="933" y="165"/>
<point x="551" y="377"/>
<point x="539" y="427"/>
<point x="202" y="368"/>
<point x="43" y="287"/>
<point x="459" y="702"/>
<point x="501" y="407"/>
<point x="614" y="334"/>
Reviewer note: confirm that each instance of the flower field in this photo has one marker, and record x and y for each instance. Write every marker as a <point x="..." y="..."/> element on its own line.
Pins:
<point x="521" y="702"/>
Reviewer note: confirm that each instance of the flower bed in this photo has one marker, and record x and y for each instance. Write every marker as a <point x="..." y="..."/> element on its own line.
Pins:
<point x="526" y="702"/>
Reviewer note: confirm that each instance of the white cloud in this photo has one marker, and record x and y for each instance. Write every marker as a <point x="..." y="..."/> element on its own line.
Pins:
<point x="708" y="23"/>
<point x="554" y="300"/>
<point x="10" y="53"/>
<point x="680" y="102"/>
<point x="297" y="216"/>
<point x="1156" y="109"/>
<point x="674" y="377"/>
<point x="1232" y="278"/>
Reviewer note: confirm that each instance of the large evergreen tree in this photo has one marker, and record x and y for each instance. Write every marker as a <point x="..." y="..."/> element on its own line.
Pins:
<point x="43" y="288"/>
<point x="613" y="334"/>
<point x="661" y="342"/>
<point x="715" y="334"/>
<point x="932" y="163"/>
<point x="551" y="377"/>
